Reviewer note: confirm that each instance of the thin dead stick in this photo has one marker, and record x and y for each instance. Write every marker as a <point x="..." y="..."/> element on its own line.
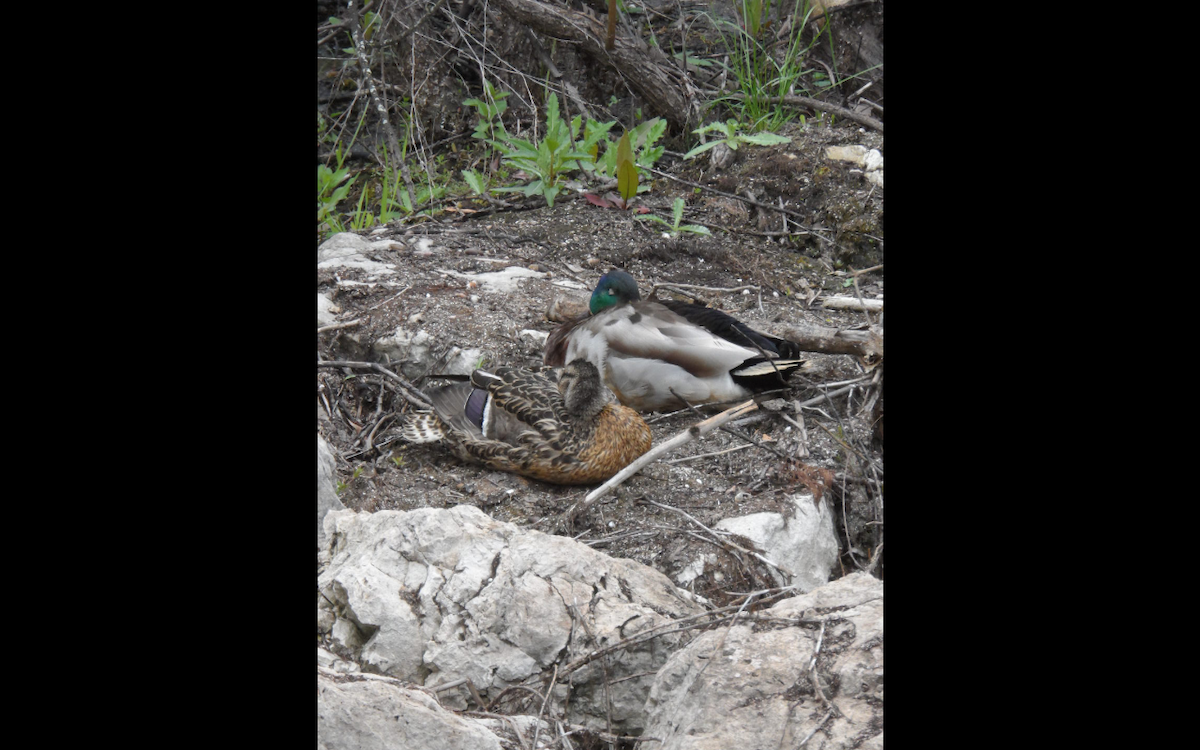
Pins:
<point x="875" y="557"/>
<point x="681" y="288"/>
<point x="537" y="727"/>
<point x="343" y="324"/>
<point x="687" y="436"/>
<point x="712" y="617"/>
<point x="510" y="721"/>
<point x="407" y="389"/>
<point x="375" y="429"/>
<point x="447" y="685"/>
<point x="389" y="299"/>
<point x="820" y="724"/>
<point x="578" y="616"/>
<point x="793" y="100"/>
<point x="737" y="433"/>
<point x="815" y="679"/>
<point x="851" y="303"/>
<point x="699" y="456"/>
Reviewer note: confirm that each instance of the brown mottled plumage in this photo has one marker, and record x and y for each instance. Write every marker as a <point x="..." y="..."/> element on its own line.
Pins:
<point x="520" y="421"/>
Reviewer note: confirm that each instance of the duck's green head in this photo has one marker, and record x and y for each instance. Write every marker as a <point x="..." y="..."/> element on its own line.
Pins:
<point x="616" y="287"/>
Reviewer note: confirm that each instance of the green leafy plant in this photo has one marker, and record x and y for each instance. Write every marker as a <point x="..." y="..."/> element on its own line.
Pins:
<point x="490" y="110"/>
<point x="393" y="196"/>
<point x="394" y="201"/>
<point x="627" y="174"/>
<point x="330" y="192"/>
<point x="674" y="227"/>
<point x="424" y="194"/>
<point x="733" y="138"/>
<point x="641" y="141"/>
<point x="343" y="485"/>
<point x="627" y="177"/>
<point x="370" y="24"/>
<point x="475" y="181"/>
<point x="558" y="153"/>
<point x="362" y="217"/>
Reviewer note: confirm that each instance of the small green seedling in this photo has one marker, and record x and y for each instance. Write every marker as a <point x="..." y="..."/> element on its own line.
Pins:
<point x="675" y="227"/>
<point x="475" y="181"/>
<point x="733" y="138"/>
<point x="490" y="108"/>
<point x="330" y="192"/>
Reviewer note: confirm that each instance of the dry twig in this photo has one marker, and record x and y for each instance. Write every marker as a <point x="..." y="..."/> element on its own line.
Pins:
<point x="409" y="391"/>
<point x="851" y="303"/>
<point x="336" y="326"/>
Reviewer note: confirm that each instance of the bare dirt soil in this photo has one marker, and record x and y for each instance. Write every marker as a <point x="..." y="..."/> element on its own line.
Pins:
<point x="838" y="455"/>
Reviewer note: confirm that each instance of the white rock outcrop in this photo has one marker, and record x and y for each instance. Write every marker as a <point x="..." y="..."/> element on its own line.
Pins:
<point x="431" y="596"/>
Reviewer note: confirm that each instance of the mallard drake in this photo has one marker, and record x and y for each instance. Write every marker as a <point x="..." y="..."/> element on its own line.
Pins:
<point x="521" y="421"/>
<point x="653" y="352"/>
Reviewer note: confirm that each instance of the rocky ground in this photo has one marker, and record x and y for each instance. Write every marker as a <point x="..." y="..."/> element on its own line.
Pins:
<point x="432" y="291"/>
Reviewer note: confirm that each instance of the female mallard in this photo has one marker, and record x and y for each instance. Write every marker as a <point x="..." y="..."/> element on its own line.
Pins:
<point x="653" y="353"/>
<point x="519" y="421"/>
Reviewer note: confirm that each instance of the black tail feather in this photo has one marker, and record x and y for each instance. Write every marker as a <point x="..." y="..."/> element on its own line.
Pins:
<point x="762" y="373"/>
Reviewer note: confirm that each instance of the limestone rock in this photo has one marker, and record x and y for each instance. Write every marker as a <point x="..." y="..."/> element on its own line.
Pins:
<point x="751" y="685"/>
<point x="366" y="712"/>
<point x="433" y="595"/>
<point x="803" y="542"/>
<point x="327" y="498"/>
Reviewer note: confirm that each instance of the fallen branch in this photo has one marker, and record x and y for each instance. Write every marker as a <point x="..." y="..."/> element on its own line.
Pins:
<point x="343" y="324"/>
<point x="852" y="303"/>
<point x="866" y="344"/>
<point x="647" y="69"/>
<point x="537" y="727"/>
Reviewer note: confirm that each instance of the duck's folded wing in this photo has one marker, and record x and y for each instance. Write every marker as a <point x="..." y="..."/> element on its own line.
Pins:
<point x="652" y="331"/>
<point x="522" y="396"/>
<point x="731" y="329"/>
